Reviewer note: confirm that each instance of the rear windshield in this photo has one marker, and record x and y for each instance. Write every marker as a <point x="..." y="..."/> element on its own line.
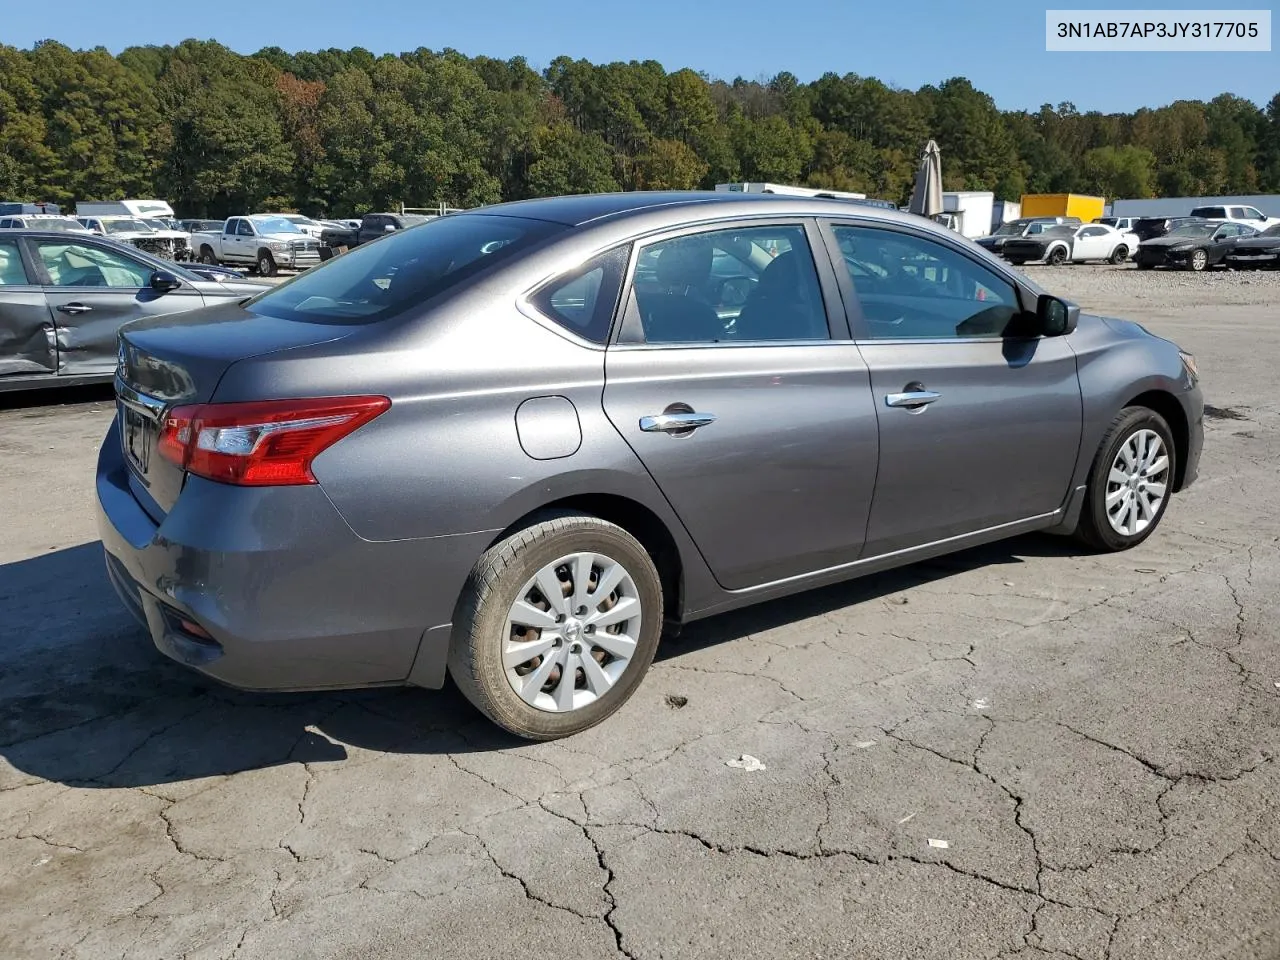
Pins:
<point x="393" y="273"/>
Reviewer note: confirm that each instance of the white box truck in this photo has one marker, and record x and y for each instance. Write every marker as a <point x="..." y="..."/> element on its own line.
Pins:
<point x="787" y="191"/>
<point x="970" y="211"/>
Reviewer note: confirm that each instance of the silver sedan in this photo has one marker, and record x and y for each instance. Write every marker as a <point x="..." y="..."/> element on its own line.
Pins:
<point x="516" y="443"/>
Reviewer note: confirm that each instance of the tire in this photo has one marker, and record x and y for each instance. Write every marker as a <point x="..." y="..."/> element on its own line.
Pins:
<point x="483" y="626"/>
<point x="1096" y="529"/>
<point x="1198" y="260"/>
<point x="266" y="264"/>
<point x="207" y="256"/>
<point x="1057" y="257"/>
<point x="1119" y="255"/>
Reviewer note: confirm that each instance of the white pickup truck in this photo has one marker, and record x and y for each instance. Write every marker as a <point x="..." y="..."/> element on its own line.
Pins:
<point x="262" y="242"/>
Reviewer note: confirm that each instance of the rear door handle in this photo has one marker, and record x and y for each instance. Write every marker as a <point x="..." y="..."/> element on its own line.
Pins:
<point x="676" y="422"/>
<point x="913" y="398"/>
<point x="74" y="308"/>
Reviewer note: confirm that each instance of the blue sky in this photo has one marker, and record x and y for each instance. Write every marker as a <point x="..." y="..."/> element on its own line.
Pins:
<point x="998" y="45"/>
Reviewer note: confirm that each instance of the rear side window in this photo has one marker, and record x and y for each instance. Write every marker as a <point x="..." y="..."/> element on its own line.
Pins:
<point x="379" y="280"/>
<point x="583" y="301"/>
<point x="1211" y="213"/>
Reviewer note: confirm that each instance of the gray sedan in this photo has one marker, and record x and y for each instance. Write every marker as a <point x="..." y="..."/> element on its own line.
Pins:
<point x="515" y="443"/>
<point x="63" y="296"/>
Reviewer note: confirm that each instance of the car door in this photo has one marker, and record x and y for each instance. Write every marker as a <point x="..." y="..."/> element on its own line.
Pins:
<point x="28" y="344"/>
<point x="743" y="396"/>
<point x="246" y="241"/>
<point x="1224" y="238"/>
<point x="979" y="426"/>
<point x="1092" y="243"/>
<point x="92" y="288"/>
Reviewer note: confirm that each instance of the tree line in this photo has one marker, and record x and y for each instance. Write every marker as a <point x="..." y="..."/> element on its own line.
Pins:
<point x="339" y="132"/>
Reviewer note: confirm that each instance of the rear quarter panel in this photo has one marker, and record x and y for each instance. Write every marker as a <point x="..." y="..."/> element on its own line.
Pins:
<point x="446" y="460"/>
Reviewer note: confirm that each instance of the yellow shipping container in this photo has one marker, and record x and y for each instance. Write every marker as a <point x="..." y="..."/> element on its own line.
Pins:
<point x="1087" y="209"/>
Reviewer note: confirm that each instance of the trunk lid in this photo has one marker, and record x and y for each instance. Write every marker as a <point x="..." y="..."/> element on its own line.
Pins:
<point x="179" y="359"/>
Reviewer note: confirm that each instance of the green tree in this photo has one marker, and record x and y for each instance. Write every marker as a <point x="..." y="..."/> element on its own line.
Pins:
<point x="669" y="165"/>
<point x="567" y="161"/>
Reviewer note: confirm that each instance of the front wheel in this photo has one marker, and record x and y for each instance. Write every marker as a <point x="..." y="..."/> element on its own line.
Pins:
<point x="1120" y="254"/>
<point x="1057" y="257"/>
<point x="556" y="626"/>
<point x="207" y="256"/>
<point x="1198" y="261"/>
<point x="1130" y="481"/>
<point x="267" y="265"/>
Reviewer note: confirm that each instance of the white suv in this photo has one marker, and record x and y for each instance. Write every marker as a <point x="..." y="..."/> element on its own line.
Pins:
<point x="1236" y="214"/>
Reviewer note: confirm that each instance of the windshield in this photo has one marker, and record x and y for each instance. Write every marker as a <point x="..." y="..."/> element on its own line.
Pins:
<point x="152" y="207"/>
<point x="275" y="225"/>
<point x="1271" y="231"/>
<point x="412" y="220"/>
<point x="381" y="279"/>
<point x="126" y="226"/>
<point x="297" y="218"/>
<point x="1194" y="230"/>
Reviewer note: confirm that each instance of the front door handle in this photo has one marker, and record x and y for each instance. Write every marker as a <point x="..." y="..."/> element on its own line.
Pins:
<point x="678" y="422"/>
<point x="912" y="398"/>
<point x="74" y="308"/>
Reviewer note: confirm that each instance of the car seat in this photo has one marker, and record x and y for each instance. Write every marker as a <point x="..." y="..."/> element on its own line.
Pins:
<point x="673" y="313"/>
<point x="786" y="304"/>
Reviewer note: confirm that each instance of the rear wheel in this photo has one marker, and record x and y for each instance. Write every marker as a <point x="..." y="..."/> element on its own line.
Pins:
<point x="557" y="625"/>
<point x="1120" y="254"/>
<point x="1057" y="256"/>
<point x="1198" y="260"/>
<point x="1130" y="481"/>
<point x="267" y="264"/>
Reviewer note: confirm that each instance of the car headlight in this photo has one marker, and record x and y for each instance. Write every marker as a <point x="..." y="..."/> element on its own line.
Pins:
<point x="278" y="245"/>
<point x="1189" y="364"/>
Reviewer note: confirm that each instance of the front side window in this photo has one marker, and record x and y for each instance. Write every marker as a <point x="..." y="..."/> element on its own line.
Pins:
<point x="583" y="300"/>
<point x="82" y="265"/>
<point x="379" y="280"/>
<point x="736" y="285"/>
<point x="12" y="272"/>
<point x="244" y="228"/>
<point x="911" y="287"/>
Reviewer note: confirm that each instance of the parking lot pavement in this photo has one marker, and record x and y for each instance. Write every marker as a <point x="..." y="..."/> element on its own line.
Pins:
<point x="1019" y="751"/>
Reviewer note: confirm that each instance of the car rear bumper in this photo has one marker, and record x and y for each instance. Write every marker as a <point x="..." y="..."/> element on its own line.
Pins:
<point x="288" y="597"/>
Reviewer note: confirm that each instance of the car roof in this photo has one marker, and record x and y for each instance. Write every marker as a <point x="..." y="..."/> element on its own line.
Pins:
<point x="576" y="211"/>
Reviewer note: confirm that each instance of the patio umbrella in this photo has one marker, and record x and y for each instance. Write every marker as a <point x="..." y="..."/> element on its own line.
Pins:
<point x="926" y="198"/>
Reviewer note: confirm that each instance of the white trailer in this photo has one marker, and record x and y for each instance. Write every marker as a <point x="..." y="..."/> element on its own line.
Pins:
<point x="970" y="211"/>
<point x="1002" y="211"/>
<point x="1182" y="206"/>
<point x="141" y="209"/>
<point x="787" y="191"/>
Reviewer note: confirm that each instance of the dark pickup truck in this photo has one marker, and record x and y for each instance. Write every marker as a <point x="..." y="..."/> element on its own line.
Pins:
<point x="372" y="226"/>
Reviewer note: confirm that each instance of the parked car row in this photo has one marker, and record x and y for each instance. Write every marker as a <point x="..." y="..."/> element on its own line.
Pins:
<point x="64" y="295"/>
<point x="1191" y="243"/>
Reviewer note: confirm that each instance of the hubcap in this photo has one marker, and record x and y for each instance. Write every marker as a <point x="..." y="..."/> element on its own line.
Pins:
<point x="572" y="632"/>
<point x="1137" y="483"/>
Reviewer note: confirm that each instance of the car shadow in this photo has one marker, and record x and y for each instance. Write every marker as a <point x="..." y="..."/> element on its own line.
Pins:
<point x="86" y="700"/>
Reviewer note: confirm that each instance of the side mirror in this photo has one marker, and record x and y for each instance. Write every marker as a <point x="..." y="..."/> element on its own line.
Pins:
<point x="1056" y="317"/>
<point x="163" y="281"/>
<point x="390" y="228"/>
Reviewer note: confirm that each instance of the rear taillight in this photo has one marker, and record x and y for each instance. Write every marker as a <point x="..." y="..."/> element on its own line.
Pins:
<point x="263" y="443"/>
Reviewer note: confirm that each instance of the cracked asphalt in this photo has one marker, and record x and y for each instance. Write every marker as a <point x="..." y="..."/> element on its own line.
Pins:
<point x="1020" y="751"/>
